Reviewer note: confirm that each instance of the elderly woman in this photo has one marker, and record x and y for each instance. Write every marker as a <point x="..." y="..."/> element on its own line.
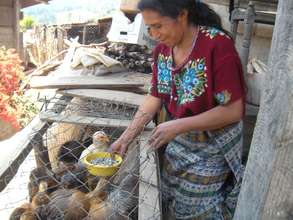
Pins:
<point x="197" y="78"/>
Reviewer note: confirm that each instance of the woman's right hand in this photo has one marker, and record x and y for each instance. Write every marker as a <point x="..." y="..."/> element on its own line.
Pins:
<point x="119" y="146"/>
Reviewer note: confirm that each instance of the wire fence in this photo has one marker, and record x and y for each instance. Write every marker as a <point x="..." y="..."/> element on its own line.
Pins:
<point x="60" y="186"/>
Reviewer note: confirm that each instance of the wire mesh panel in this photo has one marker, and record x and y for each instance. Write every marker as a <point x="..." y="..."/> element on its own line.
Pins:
<point x="90" y="34"/>
<point x="61" y="186"/>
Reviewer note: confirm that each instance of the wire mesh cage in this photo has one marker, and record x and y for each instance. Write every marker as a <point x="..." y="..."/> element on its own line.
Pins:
<point x="90" y="33"/>
<point x="57" y="184"/>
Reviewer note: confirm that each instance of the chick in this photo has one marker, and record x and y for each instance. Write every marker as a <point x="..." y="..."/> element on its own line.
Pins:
<point x="42" y="197"/>
<point x="29" y="215"/>
<point x="100" y="144"/>
<point x="76" y="178"/>
<point x="66" y="204"/>
<point x="24" y="212"/>
<point x="16" y="214"/>
<point x="70" y="151"/>
<point x="39" y="175"/>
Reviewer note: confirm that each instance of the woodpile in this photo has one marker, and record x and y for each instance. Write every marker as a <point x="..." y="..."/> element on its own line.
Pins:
<point x="134" y="57"/>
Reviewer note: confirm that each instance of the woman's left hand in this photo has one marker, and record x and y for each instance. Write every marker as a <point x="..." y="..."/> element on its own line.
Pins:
<point x="163" y="134"/>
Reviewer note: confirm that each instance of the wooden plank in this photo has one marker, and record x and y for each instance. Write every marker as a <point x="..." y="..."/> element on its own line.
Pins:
<point x="266" y="191"/>
<point x="6" y="16"/>
<point x="121" y="97"/>
<point x="86" y="120"/>
<point x="149" y="193"/>
<point x="86" y="82"/>
<point x="20" y="145"/>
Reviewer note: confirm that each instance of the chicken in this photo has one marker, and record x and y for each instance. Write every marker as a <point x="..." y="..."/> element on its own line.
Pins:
<point x="76" y="178"/>
<point x="29" y="215"/>
<point x="28" y="211"/>
<point x="70" y="151"/>
<point x="16" y="214"/>
<point x="24" y="212"/>
<point x="66" y="204"/>
<point x="71" y="174"/>
<point x="72" y="204"/>
<point x="41" y="198"/>
<point x="100" y="144"/>
<point x="39" y="175"/>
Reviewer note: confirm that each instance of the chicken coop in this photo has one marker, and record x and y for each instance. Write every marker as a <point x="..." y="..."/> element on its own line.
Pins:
<point x="46" y="175"/>
<point x="60" y="186"/>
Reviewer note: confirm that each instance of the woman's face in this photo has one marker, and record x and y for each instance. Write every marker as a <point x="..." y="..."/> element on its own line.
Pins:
<point x="164" y="29"/>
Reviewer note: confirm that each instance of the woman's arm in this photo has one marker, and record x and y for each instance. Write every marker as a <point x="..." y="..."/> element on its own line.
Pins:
<point x="214" y="118"/>
<point x="150" y="106"/>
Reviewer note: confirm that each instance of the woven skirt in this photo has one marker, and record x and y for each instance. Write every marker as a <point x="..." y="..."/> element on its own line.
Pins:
<point x="202" y="173"/>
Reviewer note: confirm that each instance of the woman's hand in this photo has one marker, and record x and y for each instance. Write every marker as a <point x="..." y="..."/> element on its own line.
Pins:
<point x="119" y="146"/>
<point x="164" y="133"/>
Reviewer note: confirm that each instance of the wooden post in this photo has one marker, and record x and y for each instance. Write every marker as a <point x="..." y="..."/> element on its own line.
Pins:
<point x="149" y="195"/>
<point x="84" y="32"/>
<point x="234" y="24"/>
<point x="16" y="29"/>
<point x="266" y="191"/>
<point x="247" y="35"/>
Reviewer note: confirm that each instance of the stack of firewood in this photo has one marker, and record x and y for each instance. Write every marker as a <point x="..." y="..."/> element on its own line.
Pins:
<point x="134" y="57"/>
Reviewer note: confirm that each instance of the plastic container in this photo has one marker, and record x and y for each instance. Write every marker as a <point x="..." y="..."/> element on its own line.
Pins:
<point x="102" y="170"/>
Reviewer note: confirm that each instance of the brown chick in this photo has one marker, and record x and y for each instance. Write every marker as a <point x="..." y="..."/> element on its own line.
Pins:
<point x="24" y="212"/>
<point x="75" y="178"/>
<point x="42" y="197"/>
<point x="29" y="215"/>
<point x="66" y="204"/>
<point x="39" y="175"/>
<point x="78" y="206"/>
<point x="16" y="214"/>
<point x="98" y="208"/>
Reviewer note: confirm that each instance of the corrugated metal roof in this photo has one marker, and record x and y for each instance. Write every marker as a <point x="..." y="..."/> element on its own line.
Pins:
<point x="24" y="3"/>
<point x="27" y="3"/>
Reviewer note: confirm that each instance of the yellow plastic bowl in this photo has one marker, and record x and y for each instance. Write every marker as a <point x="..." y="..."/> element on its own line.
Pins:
<point x="101" y="170"/>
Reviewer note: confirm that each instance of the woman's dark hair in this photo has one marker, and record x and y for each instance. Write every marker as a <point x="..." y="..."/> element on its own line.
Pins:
<point x="198" y="13"/>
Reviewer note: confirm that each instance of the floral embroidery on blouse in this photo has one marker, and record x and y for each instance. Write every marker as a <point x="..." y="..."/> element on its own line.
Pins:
<point x="164" y="74"/>
<point x="150" y="89"/>
<point x="212" y="32"/>
<point x="223" y="97"/>
<point x="191" y="83"/>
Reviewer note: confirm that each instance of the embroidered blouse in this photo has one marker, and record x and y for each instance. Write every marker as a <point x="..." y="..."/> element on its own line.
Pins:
<point x="212" y="75"/>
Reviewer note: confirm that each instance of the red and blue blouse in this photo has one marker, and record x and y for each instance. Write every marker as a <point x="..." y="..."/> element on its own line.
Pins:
<point x="211" y="75"/>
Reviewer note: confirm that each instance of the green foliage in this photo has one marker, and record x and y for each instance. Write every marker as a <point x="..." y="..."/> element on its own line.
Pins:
<point x="27" y="22"/>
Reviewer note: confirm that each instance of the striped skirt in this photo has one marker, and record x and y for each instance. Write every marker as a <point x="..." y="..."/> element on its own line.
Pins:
<point x="202" y="173"/>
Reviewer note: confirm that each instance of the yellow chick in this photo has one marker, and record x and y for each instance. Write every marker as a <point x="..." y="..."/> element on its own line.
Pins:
<point x="100" y="144"/>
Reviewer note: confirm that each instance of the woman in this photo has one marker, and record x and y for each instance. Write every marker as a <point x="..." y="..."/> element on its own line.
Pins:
<point x="197" y="78"/>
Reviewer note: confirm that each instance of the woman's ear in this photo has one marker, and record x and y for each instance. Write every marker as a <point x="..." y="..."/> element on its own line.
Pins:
<point x="183" y="16"/>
